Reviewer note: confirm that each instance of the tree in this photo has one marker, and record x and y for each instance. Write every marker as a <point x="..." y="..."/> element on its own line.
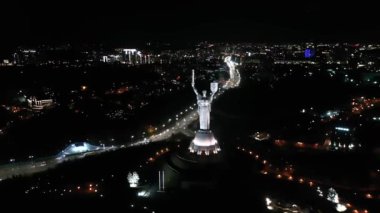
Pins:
<point x="332" y="196"/>
<point x="133" y="179"/>
<point x="320" y="193"/>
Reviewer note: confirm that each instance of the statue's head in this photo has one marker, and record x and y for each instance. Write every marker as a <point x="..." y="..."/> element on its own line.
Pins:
<point x="204" y="93"/>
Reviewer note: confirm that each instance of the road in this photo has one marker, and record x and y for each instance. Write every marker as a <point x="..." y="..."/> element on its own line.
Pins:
<point x="42" y="164"/>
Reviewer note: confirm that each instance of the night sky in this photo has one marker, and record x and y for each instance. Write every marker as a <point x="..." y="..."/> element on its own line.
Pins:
<point x="132" y="22"/>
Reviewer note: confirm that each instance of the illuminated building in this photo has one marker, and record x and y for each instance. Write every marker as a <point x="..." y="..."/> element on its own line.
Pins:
<point x="133" y="56"/>
<point x="342" y="138"/>
<point x="79" y="148"/>
<point x="309" y="53"/>
<point x="39" y="104"/>
<point x="25" y="56"/>
<point x="261" y="136"/>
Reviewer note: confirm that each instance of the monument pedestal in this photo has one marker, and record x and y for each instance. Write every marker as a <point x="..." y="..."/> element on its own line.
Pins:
<point x="204" y="143"/>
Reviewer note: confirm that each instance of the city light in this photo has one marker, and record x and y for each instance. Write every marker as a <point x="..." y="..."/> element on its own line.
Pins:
<point x="342" y="129"/>
<point x="121" y="114"/>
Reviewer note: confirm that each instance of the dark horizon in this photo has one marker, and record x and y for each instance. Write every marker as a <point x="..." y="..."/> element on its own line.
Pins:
<point x="122" y="24"/>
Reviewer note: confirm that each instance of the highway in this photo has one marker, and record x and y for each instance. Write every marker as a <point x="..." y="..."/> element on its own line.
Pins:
<point x="42" y="164"/>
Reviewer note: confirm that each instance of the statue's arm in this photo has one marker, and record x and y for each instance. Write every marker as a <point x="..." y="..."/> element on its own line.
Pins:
<point x="211" y="97"/>
<point x="195" y="90"/>
<point x="193" y="85"/>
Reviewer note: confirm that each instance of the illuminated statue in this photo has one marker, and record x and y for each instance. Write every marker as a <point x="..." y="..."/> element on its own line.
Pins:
<point x="234" y="80"/>
<point x="204" y="104"/>
<point x="204" y="141"/>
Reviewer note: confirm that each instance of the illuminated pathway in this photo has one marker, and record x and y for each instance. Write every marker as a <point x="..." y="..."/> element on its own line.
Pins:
<point x="42" y="164"/>
<point x="286" y="174"/>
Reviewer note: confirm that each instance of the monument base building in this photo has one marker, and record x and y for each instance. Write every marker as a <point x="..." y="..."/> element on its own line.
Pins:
<point x="204" y="143"/>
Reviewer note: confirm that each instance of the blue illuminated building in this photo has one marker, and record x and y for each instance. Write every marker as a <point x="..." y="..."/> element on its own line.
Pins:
<point x="309" y="53"/>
